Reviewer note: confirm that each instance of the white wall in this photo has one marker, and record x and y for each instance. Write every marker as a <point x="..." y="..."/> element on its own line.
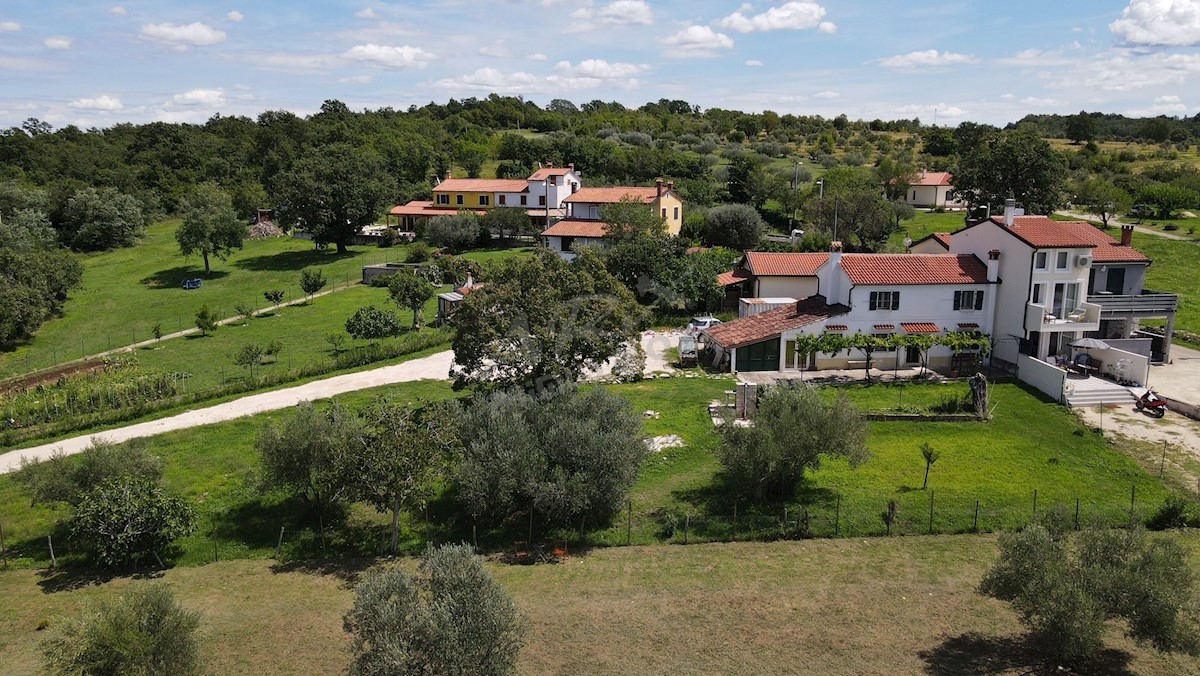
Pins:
<point x="785" y="287"/>
<point x="585" y="210"/>
<point x="1008" y="320"/>
<point x="1045" y="378"/>
<point x="513" y="199"/>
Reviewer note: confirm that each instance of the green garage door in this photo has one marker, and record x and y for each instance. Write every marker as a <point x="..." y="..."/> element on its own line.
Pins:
<point x="762" y="356"/>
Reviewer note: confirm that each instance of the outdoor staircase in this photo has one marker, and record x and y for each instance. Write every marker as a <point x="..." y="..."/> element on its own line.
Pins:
<point x="1093" y="391"/>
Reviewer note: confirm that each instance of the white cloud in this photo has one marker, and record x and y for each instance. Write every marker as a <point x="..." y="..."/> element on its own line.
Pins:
<point x="490" y="79"/>
<point x="538" y="57"/>
<point x="102" y="103"/>
<point x="384" y="56"/>
<point x="1126" y="70"/>
<point x="617" y="13"/>
<point x="1163" y="105"/>
<point x="367" y="13"/>
<point x="194" y="33"/>
<point x="599" y="69"/>
<point x="926" y="58"/>
<point x="356" y="79"/>
<point x="697" y="41"/>
<point x="1040" y="102"/>
<point x="754" y="63"/>
<point x="1008" y="97"/>
<point x="1167" y="99"/>
<point x="941" y="110"/>
<point x="293" y="61"/>
<point x="118" y="10"/>
<point x="57" y="42"/>
<point x="826" y="95"/>
<point x="496" y="50"/>
<point x="1159" y="22"/>
<point x="827" y="27"/>
<point x="788" y="16"/>
<point x="210" y="98"/>
<point x="235" y="16"/>
<point x="9" y="26"/>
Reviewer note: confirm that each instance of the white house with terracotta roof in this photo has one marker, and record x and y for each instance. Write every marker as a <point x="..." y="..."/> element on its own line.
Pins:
<point x="930" y="190"/>
<point x="582" y="225"/>
<point x="938" y="242"/>
<point x="541" y="195"/>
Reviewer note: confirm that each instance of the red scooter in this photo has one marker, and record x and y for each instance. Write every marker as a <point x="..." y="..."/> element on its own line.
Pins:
<point x="1151" y="403"/>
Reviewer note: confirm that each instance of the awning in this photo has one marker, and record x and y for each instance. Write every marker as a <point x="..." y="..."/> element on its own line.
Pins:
<point x="836" y="327"/>
<point x="920" y="327"/>
<point x="968" y="326"/>
<point x="885" y="327"/>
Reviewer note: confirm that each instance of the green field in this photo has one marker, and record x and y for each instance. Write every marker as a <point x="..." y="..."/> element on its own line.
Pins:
<point x="1028" y="446"/>
<point x="1174" y="271"/>
<point x="882" y="605"/>
<point x="125" y="292"/>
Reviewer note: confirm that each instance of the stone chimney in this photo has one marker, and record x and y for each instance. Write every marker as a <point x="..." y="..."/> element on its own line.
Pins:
<point x="671" y="186"/>
<point x="993" y="266"/>
<point x="1126" y="235"/>
<point x="658" y="184"/>
<point x="1010" y="212"/>
<point x="447" y="174"/>
<point x="571" y="166"/>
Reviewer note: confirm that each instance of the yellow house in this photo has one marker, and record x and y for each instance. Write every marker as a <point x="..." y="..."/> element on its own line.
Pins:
<point x="474" y="193"/>
<point x="583" y="226"/>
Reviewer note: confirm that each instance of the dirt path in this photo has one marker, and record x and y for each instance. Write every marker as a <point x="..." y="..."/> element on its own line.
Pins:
<point x="433" y="367"/>
<point x="1145" y="438"/>
<point x="1115" y="223"/>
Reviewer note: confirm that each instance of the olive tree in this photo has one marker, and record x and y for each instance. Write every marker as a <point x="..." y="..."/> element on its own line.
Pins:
<point x="791" y="431"/>
<point x="128" y="518"/>
<point x="452" y="617"/>
<point x="66" y="479"/>
<point x="412" y="292"/>
<point x="210" y="225"/>
<point x="371" y="323"/>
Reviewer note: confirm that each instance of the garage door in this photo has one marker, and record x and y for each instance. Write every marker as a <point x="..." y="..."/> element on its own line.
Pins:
<point x="762" y="356"/>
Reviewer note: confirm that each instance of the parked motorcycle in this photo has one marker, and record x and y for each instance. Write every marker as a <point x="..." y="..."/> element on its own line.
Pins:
<point x="1151" y="403"/>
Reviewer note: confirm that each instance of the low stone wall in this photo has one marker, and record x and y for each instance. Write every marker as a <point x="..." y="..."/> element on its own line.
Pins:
<point x="1183" y="408"/>
<point x="924" y="417"/>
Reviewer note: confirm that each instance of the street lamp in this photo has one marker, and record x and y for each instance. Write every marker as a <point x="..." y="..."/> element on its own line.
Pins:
<point x="821" y="185"/>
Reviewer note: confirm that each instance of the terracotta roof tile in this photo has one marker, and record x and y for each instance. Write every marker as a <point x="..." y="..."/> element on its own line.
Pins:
<point x="614" y="194"/>
<point x="900" y="269"/>
<point x="482" y="185"/>
<point x="836" y="327"/>
<point x="967" y="325"/>
<point x="1044" y="232"/>
<point x="732" y="277"/>
<point x="764" y="325"/>
<point x="571" y="227"/>
<point x="770" y="264"/>
<point x="920" y="327"/>
<point x="546" y="172"/>
<point x="885" y="327"/>
<point x="930" y="178"/>
<point x="422" y="208"/>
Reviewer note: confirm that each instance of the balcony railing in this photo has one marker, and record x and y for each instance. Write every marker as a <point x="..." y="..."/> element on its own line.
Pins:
<point x="1147" y="303"/>
<point x="1086" y="317"/>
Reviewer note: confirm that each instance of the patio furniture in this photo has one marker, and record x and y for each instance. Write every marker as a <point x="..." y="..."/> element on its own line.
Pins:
<point x="1085" y="364"/>
<point x="190" y="284"/>
<point x="1076" y="315"/>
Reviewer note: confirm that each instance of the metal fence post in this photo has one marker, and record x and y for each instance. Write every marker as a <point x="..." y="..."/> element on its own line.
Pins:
<point x="837" y="516"/>
<point x="1035" y="504"/>
<point x="629" y="522"/>
<point x="1132" y="498"/>
<point x="975" y="526"/>
<point x="1076" y="513"/>
<point x="687" y="521"/>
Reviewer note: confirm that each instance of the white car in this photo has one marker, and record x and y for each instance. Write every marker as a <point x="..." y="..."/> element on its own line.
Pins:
<point x="699" y="324"/>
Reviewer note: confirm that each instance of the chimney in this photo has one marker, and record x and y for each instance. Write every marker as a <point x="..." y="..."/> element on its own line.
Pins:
<point x="993" y="266"/>
<point x="658" y="183"/>
<point x="671" y="186"/>
<point x="1126" y="235"/>
<point x="571" y="166"/>
<point x="470" y="281"/>
<point x="447" y="174"/>
<point x="833" y="274"/>
<point x="1010" y="212"/>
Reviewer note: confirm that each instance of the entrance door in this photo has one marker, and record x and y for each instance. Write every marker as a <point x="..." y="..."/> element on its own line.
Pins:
<point x="912" y="355"/>
<point x="762" y="356"/>
<point x="1115" y="284"/>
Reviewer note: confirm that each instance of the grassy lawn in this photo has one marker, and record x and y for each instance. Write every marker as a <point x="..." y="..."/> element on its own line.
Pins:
<point x="883" y="605"/>
<point x="1174" y="271"/>
<point x="926" y="223"/>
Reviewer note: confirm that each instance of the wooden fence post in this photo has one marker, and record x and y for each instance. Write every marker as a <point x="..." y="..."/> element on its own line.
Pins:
<point x="837" y="516"/>
<point x="975" y="526"/>
<point x="931" y="512"/>
<point x="3" y="549"/>
<point x="53" y="560"/>
<point x="279" y="544"/>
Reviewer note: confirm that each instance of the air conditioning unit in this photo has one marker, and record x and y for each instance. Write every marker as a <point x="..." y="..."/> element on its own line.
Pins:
<point x="1083" y="261"/>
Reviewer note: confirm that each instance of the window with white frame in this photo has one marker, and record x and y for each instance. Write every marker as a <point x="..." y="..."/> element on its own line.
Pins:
<point x="1039" y="294"/>
<point x="1060" y="260"/>
<point x="443" y="199"/>
<point x="1039" y="260"/>
<point x="885" y="300"/>
<point x="968" y="299"/>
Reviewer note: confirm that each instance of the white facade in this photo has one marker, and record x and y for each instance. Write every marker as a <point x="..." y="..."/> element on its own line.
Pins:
<point x="928" y="195"/>
<point x="786" y="287"/>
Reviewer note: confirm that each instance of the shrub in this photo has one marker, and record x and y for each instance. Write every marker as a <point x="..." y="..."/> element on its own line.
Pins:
<point x="129" y="518"/>
<point x="456" y="233"/>
<point x="67" y="479"/>
<point x="274" y="296"/>
<point x="387" y="239"/>
<point x="1175" y="512"/>
<point x="419" y="252"/>
<point x="312" y="280"/>
<point x="206" y="321"/>
<point x="1170" y="227"/>
<point x="143" y="631"/>
<point x="370" y="323"/>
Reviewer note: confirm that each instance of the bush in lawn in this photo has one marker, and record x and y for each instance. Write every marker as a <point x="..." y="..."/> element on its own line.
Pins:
<point x="67" y="479"/>
<point x="274" y="296"/>
<point x="370" y="323"/>
<point x="128" y="518"/>
<point x="1175" y="512"/>
<point x="419" y="252"/>
<point x="456" y="233"/>
<point x="793" y="428"/>
<point x="206" y="321"/>
<point x="143" y="631"/>
<point x="452" y="617"/>
<point x="244" y="311"/>
<point x="1065" y="592"/>
<point x="571" y="456"/>
<point x="312" y="280"/>
<point x="272" y="349"/>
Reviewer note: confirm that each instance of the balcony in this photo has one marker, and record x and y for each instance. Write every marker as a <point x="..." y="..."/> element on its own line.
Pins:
<point x="1039" y="318"/>
<point x="1146" y="304"/>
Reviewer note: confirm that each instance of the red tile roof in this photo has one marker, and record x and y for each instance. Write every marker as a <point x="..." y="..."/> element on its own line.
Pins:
<point x="903" y="269"/>
<point x="967" y="325"/>
<point x="614" y="194"/>
<point x="423" y="208"/>
<point x="920" y="327"/>
<point x="1042" y="232"/>
<point x="836" y="327"/>
<point x="929" y="178"/>
<point x="732" y="277"/>
<point x="482" y="185"/>
<point x="548" y="171"/>
<point x="765" y="325"/>
<point x="571" y="227"/>
<point x="768" y="264"/>
<point x="942" y="238"/>
<point x="885" y="327"/>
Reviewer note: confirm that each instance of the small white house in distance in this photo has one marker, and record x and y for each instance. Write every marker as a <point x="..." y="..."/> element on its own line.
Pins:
<point x="938" y="242"/>
<point x="930" y="190"/>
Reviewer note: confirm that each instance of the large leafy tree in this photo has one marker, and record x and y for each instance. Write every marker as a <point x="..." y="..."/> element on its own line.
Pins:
<point x="541" y="318"/>
<point x="334" y="191"/>
<point x="793" y="428"/>
<point x="1015" y="164"/>
<point x="1104" y="199"/>
<point x="128" y="518"/>
<point x="734" y="226"/>
<point x="210" y="225"/>
<point x="632" y="219"/>
<point x="569" y="456"/>
<point x="95" y="220"/>
<point x="452" y="617"/>
<point x="412" y="292"/>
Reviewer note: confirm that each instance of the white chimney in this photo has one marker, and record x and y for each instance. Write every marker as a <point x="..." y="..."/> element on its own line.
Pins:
<point x="993" y="266"/>
<point x="1010" y="212"/>
<point x="470" y="281"/>
<point x="833" y="274"/>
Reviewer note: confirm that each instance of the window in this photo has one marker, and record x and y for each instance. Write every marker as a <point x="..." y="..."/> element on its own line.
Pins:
<point x="677" y="213"/>
<point x="574" y="187"/>
<point x="1060" y="260"/>
<point x="524" y="200"/>
<point x="483" y="200"/>
<point x="542" y="200"/>
<point x="968" y="300"/>
<point x="566" y="243"/>
<point x="1039" y="261"/>
<point x="664" y="212"/>
<point x="885" y="300"/>
<point x="503" y="199"/>
<point x="914" y="196"/>
<point x="443" y="199"/>
<point x="1039" y="294"/>
<point x="458" y="199"/>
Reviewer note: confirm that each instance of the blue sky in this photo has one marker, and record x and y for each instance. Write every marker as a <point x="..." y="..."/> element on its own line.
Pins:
<point x="95" y="63"/>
